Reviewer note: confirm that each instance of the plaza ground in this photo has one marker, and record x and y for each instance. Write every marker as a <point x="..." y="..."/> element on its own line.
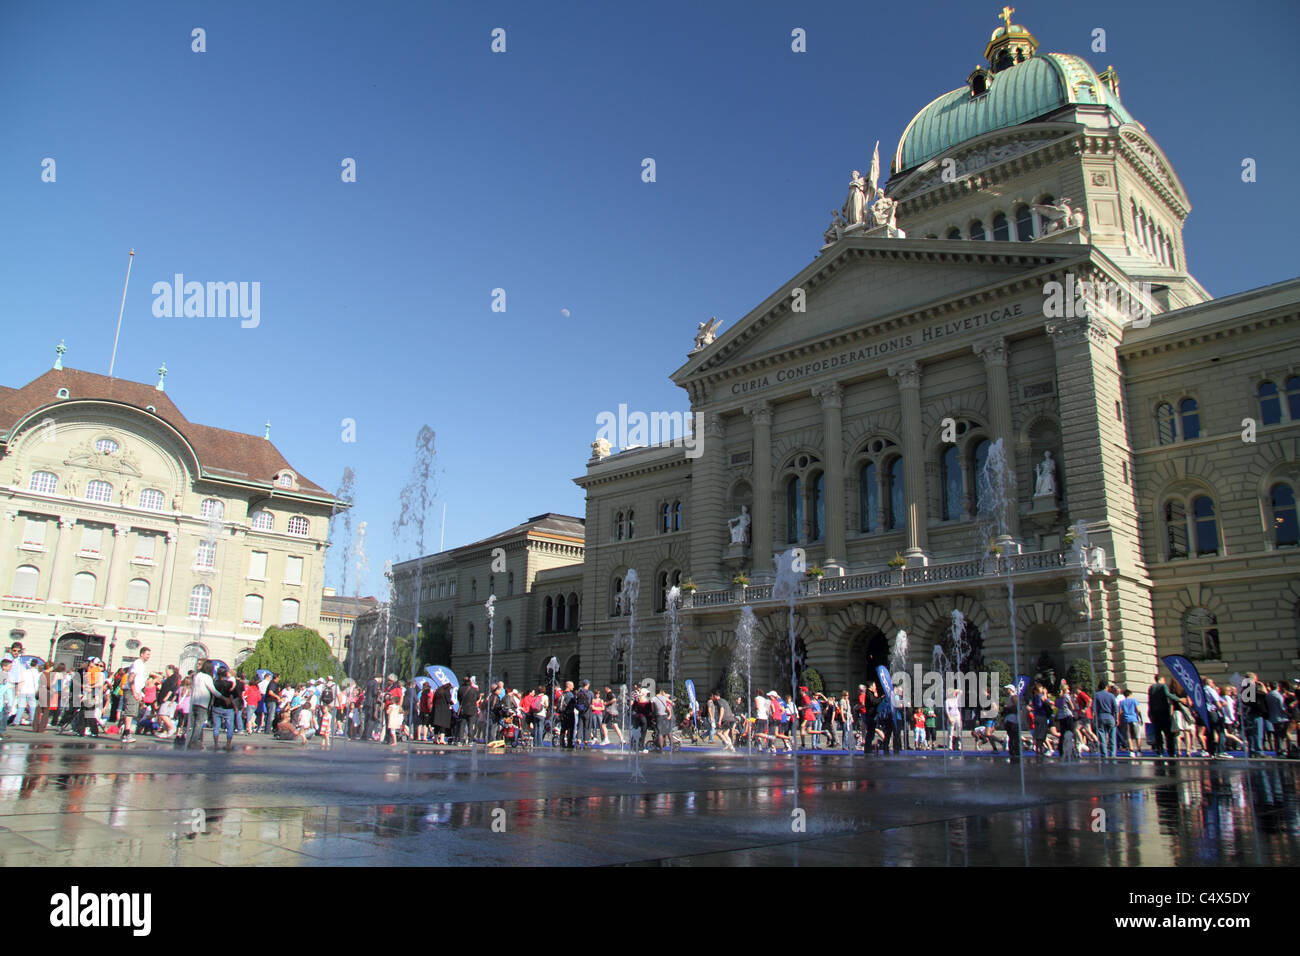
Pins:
<point x="80" y="802"/>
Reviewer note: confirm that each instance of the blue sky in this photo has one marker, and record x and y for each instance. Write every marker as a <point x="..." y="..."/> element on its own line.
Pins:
<point x="519" y="171"/>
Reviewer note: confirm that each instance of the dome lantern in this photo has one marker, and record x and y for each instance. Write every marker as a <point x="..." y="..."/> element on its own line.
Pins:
<point x="1010" y="44"/>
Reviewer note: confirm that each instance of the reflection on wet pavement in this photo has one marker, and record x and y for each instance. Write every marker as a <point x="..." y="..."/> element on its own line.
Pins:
<point x="87" y="804"/>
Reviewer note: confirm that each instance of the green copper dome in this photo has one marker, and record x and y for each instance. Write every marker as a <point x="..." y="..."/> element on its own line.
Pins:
<point x="1035" y="88"/>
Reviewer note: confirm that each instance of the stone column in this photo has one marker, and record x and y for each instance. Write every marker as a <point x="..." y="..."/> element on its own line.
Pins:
<point x="62" y="554"/>
<point x="707" y="519"/>
<point x="995" y="352"/>
<point x="760" y="413"/>
<point x="114" y="584"/>
<point x="832" y="399"/>
<point x="908" y="377"/>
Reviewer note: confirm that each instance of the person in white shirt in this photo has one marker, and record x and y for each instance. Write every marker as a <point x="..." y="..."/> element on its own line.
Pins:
<point x="139" y="678"/>
<point x="202" y="691"/>
<point x="762" y="711"/>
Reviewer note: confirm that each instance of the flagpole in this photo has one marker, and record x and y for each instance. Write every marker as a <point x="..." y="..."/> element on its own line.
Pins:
<point x="113" y="361"/>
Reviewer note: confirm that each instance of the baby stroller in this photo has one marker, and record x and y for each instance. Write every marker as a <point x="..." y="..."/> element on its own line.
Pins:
<point x="514" y="735"/>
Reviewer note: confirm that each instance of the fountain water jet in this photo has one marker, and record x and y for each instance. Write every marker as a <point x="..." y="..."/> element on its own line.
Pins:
<point x="790" y="568"/>
<point x="745" y="643"/>
<point x="627" y="601"/>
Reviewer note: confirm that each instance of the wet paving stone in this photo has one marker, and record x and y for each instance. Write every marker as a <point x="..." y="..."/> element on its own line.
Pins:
<point x="99" y="803"/>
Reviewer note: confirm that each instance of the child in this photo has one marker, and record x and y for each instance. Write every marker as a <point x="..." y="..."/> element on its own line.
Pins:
<point x="326" y="727"/>
<point x="918" y="729"/>
<point x="931" y="726"/>
<point x="305" y="722"/>
<point x="394" y="722"/>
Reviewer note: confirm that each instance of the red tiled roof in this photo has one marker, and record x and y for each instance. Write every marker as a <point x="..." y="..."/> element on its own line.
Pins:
<point x="222" y="453"/>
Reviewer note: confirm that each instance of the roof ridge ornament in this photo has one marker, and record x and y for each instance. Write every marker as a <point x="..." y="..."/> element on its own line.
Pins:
<point x="162" y="374"/>
<point x="58" y="357"/>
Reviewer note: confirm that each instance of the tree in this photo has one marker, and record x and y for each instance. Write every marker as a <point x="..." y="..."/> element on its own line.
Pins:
<point x="297" y="654"/>
<point x="812" y="679"/>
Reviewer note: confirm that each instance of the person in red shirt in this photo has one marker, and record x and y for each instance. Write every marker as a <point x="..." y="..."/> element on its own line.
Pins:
<point x="252" y="697"/>
<point x="1083" y="706"/>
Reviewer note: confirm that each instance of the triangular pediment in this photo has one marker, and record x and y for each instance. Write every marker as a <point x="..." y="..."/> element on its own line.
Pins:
<point x="861" y="282"/>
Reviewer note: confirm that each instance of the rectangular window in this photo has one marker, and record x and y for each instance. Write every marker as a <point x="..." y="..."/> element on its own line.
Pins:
<point x="293" y="570"/>
<point x="91" y="539"/>
<point x="34" y="532"/>
<point x="144" y="547"/>
<point x="257" y="565"/>
<point x="206" y="555"/>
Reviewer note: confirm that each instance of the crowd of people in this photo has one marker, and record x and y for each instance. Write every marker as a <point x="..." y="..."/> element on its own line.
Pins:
<point x="1257" y="717"/>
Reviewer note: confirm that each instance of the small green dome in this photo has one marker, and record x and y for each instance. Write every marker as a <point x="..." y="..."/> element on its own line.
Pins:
<point x="1039" y="86"/>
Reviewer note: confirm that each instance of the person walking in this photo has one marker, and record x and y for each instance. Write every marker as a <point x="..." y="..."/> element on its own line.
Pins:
<point x="133" y="696"/>
<point x="223" y="706"/>
<point x="202" y="693"/>
<point x="1066" y="718"/>
<point x="1105" y="709"/>
<point x="467" y="717"/>
<point x="1130" y="728"/>
<point x="1011" y="722"/>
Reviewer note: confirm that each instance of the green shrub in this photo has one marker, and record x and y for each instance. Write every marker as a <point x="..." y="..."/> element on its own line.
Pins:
<point x="813" y="681"/>
<point x="297" y="654"/>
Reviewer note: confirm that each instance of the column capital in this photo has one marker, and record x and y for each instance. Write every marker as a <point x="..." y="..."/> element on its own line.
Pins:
<point x="906" y="374"/>
<point x="1075" y="330"/>
<point x="831" y="394"/>
<point x="66" y="523"/>
<point x="712" y="426"/>
<point x="994" y="351"/>
<point x="120" y="529"/>
<point x="760" y="412"/>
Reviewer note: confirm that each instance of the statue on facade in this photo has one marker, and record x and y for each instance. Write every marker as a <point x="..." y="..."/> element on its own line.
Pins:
<point x="1060" y="216"/>
<point x="883" y="211"/>
<point x="739" y="526"/>
<point x="855" y="207"/>
<point x="600" y="448"/>
<point x="706" y="332"/>
<point x="1045" y="473"/>
<point x="836" y="229"/>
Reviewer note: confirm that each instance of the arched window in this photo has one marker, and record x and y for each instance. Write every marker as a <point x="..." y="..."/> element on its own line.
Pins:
<point x="492" y="584"/>
<point x="1175" y="529"/>
<point x="510" y="635"/>
<point x="983" y="492"/>
<point x="212" y="508"/>
<point x="869" y="497"/>
<point x="678" y="524"/>
<point x="575" y="612"/>
<point x="263" y="521"/>
<point x="1293" y="397"/>
<point x="1001" y="231"/>
<point x="1189" y="418"/>
<point x="818" y="506"/>
<point x="616" y="598"/>
<point x="288" y="612"/>
<point x="661" y="592"/>
<point x="665" y="656"/>
<point x="793" y="509"/>
<point x="510" y="583"/>
<point x="548" y="614"/>
<point x="631" y="523"/>
<point x="561" y="613"/>
<point x="1207" y="527"/>
<point x="1286" y="530"/>
<point x="977" y="230"/>
<point x="105" y="446"/>
<point x="1024" y="223"/>
<point x="151" y="499"/>
<point x="618" y="525"/>
<point x="897" y="510"/>
<point x="950" y="469"/>
<point x="83" y="588"/>
<point x="473" y="589"/>
<point x="618" y="668"/>
<point x="200" y="600"/>
<point x="253" y="609"/>
<point x="954" y="233"/>
<point x="1270" y="404"/>
<point x="137" y="594"/>
<point x="471" y="638"/>
<point x="45" y="482"/>
<point x="26" y="580"/>
<point x="100" y="491"/>
<point x="1201" y="635"/>
<point x="1166" y="430"/>
<point x="665" y="518"/>
<point x="298" y="526"/>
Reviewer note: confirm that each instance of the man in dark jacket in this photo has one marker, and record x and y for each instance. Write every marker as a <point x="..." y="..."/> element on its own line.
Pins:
<point x="868" y="704"/>
<point x="442" y="711"/>
<point x="1160" y="707"/>
<point x="466" y="719"/>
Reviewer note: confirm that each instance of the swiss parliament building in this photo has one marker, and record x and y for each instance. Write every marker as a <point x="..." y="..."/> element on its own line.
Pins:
<point x="1014" y="302"/>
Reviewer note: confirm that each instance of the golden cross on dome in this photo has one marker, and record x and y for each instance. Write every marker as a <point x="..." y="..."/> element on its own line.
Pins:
<point x="1006" y="15"/>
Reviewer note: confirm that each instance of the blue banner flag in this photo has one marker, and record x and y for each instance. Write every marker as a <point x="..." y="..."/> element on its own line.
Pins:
<point x="1022" y="685"/>
<point x="442" y="675"/>
<point x="1185" y="673"/>
<point x="886" y="682"/>
<point x="690" y="692"/>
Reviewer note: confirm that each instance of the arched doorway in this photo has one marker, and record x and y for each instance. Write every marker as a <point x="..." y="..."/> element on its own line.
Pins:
<point x="570" y="669"/>
<point x="719" y="670"/>
<point x="1043" y="655"/>
<point x="868" y="650"/>
<point x="191" y="654"/>
<point x="73" y="649"/>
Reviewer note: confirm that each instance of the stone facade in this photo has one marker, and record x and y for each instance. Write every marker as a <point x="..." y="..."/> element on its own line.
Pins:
<point x="125" y="525"/>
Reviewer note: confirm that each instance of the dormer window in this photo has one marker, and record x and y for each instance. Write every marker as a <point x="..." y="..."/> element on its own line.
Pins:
<point x="978" y="82"/>
<point x="284" y="479"/>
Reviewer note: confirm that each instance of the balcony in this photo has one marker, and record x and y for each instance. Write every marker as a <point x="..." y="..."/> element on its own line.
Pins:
<point x="1033" y="564"/>
<point x="11" y="603"/>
